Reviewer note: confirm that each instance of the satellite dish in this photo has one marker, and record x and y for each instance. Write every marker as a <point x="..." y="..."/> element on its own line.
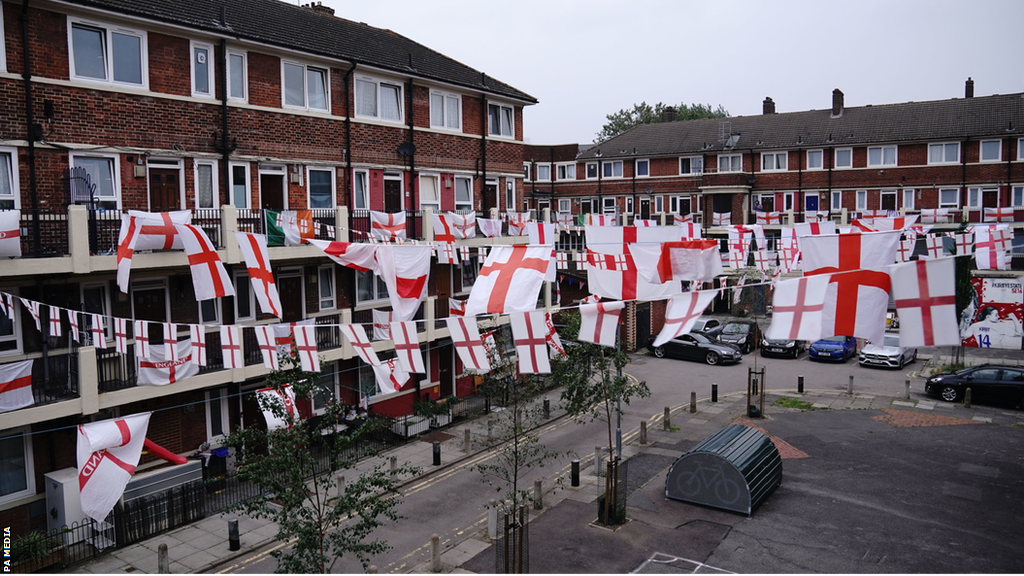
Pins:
<point x="406" y="149"/>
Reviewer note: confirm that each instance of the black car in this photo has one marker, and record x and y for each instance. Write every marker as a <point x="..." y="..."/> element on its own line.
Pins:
<point x="741" y="332"/>
<point x="988" y="383"/>
<point x="784" y="348"/>
<point x="697" y="346"/>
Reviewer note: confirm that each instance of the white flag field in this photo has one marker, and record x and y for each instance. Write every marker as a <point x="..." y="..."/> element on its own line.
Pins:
<point x="108" y="452"/>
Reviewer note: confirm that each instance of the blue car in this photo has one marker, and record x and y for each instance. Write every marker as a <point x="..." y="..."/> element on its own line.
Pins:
<point x="834" y="348"/>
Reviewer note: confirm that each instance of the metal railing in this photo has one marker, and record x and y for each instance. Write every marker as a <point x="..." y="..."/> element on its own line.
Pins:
<point x="55" y="378"/>
<point x="53" y="233"/>
<point x="328" y="336"/>
<point x="209" y="219"/>
<point x="251" y="220"/>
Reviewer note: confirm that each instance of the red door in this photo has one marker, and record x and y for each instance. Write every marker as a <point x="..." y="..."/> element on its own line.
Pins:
<point x="163" y="190"/>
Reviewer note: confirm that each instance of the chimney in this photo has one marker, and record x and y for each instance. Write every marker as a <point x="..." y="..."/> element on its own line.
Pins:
<point x="768" y="106"/>
<point x="668" y="114"/>
<point x="969" y="88"/>
<point x="319" y="7"/>
<point x="837" y="102"/>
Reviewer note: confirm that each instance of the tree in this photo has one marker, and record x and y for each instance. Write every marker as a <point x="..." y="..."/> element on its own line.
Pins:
<point x="590" y="389"/>
<point x="644" y="113"/>
<point x="295" y="469"/>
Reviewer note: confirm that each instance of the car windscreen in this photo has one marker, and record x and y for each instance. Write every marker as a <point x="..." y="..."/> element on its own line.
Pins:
<point x="893" y="341"/>
<point x="700" y="338"/>
<point x="835" y="339"/>
<point x="736" y="329"/>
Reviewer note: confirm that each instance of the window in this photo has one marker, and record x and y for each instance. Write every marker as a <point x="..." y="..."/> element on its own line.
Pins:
<point x="565" y="172"/>
<point x="217" y="423"/>
<point x="207" y="194"/>
<point x="239" y="185"/>
<point x="17" y="474"/>
<point x="774" y="161"/>
<point x="978" y="197"/>
<point x="209" y="311"/>
<point x="237" y="76"/>
<point x="510" y="194"/>
<point x="643" y="168"/>
<point x="591" y="170"/>
<point x="245" y="305"/>
<point x="428" y="193"/>
<point x="837" y="201"/>
<point x="1017" y="197"/>
<point x="360" y="190"/>
<point x="815" y="159"/>
<point x="110" y="55"/>
<point x="844" y="158"/>
<point x="862" y="199"/>
<point x="304" y="86"/>
<point x="565" y="205"/>
<point x="95" y="300"/>
<point x="787" y="201"/>
<point x="679" y="204"/>
<point x="629" y="205"/>
<point x="949" y="197"/>
<point x="463" y="193"/>
<point x="321" y="187"/>
<point x="908" y="198"/>
<point x="659" y="204"/>
<point x="527" y="173"/>
<point x="325" y="275"/>
<point x="691" y="165"/>
<point x="544" y="172"/>
<point x="609" y="206"/>
<point x="469" y="272"/>
<point x="500" y="120"/>
<point x="325" y="390"/>
<point x="10" y="190"/>
<point x="202" y="70"/>
<point x="991" y="151"/>
<point x="888" y="200"/>
<point x="883" y="155"/>
<point x="1020" y="149"/>
<point x="101" y="170"/>
<point x="378" y="99"/>
<point x="445" y="110"/>
<point x="730" y="163"/>
<point x="612" y="169"/>
<point x="370" y="287"/>
<point x="943" y="153"/>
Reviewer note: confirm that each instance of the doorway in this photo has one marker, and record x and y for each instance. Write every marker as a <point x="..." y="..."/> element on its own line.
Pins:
<point x="446" y="371"/>
<point x="290" y="290"/>
<point x="150" y="303"/>
<point x="272" y="189"/>
<point x="392" y="194"/>
<point x="164" y="189"/>
<point x="490" y="197"/>
<point x="645" y="208"/>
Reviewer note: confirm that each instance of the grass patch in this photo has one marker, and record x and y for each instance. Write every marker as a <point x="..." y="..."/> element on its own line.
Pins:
<point x="787" y="402"/>
<point x="948" y="368"/>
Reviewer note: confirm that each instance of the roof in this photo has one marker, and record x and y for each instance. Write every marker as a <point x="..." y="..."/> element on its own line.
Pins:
<point x="955" y="119"/>
<point x="288" y="26"/>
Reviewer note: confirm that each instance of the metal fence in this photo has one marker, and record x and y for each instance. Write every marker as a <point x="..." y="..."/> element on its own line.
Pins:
<point x="55" y="377"/>
<point x="142" y="518"/>
<point x="251" y="220"/>
<point x="104" y="227"/>
<point x="209" y="219"/>
<point x="512" y="548"/>
<point x="52" y="237"/>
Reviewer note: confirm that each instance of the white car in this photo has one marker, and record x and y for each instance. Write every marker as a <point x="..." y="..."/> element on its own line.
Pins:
<point x="890" y="355"/>
<point x="707" y="324"/>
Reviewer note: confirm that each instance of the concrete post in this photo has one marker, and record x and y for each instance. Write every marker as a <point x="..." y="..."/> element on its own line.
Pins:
<point x="492" y="520"/>
<point x="88" y="380"/>
<point x="229" y="224"/>
<point x="341" y="485"/>
<point x="163" y="565"/>
<point x="428" y="224"/>
<point x="233" y="542"/>
<point x="341" y="224"/>
<point x="394" y="463"/>
<point x="538" y="495"/>
<point x="435" y="553"/>
<point x="643" y="432"/>
<point x="490" y="430"/>
<point x="78" y="238"/>
<point x="598" y="454"/>
<point x="467" y="443"/>
<point x="668" y="420"/>
<point x="906" y="389"/>
<point x="693" y="402"/>
<point x="967" y="398"/>
<point x="372" y="569"/>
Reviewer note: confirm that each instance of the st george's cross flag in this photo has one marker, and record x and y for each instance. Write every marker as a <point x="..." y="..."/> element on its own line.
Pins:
<point x="489" y="227"/>
<point x="381" y="324"/>
<point x="814" y="228"/>
<point x="894" y="223"/>
<point x="721" y="218"/>
<point x="16" y="385"/>
<point x="456" y="307"/>
<point x="140" y="330"/>
<point x="356" y="336"/>
<point x="231" y="345"/>
<point x="682" y="313"/>
<point x="682" y="218"/>
<point x="674" y="261"/>
<point x="768" y="218"/>
<point x="405" y="270"/>
<point x="933" y="245"/>
<point x="529" y="332"/>
<point x="267" y="342"/>
<point x="934" y="215"/>
<point x="197" y="335"/>
<point x="10" y="233"/>
<point x="261" y="275"/>
<point x="305" y="347"/>
<point x="509" y="280"/>
<point x="964" y="243"/>
<point x="407" y="346"/>
<point x="1001" y="214"/>
<point x="517" y="222"/>
<point x="541" y="232"/>
<point x="690" y="230"/>
<point x="466" y="337"/>
<point x="905" y="249"/>
<point x="358" y="256"/>
<point x="55" y="327"/>
<point x="209" y="277"/>
<point x="924" y="293"/>
<point x="444" y="232"/>
<point x="463" y="226"/>
<point x="789" y="259"/>
<point x="645" y="223"/>
<point x="858" y="293"/>
<point x="278" y="406"/>
<point x="390" y="376"/>
<point x="599" y="323"/>
<point x="33" y="309"/>
<point x="990" y="247"/>
<point x="797" y="307"/>
<point x="157" y="229"/>
<point x="626" y="283"/>
<point x="157" y="369"/>
<point x="108" y="452"/>
<point x="127" y="238"/>
<point x="387" y="225"/>
<point x="76" y="333"/>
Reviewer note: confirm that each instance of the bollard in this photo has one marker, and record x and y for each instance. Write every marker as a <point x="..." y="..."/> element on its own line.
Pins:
<point x="849" y="388"/>
<point x="598" y="452"/>
<point x="435" y="553"/>
<point x="693" y="402"/>
<point x="394" y="463"/>
<point x="538" y="495"/>
<point x="490" y="430"/>
<point x="800" y="384"/>
<point x="547" y="409"/>
<point x="467" y="443"/>
<point x="163" y="565"/>
<point x="643" y="432"/>
<point x="492" y="520"/>
<point x="233" y="543"/>
<point x="667" y="421"/>
<point x="967" y="398"/>
<point x="906" y="390"/>
<point x="437" y="453"/>
<point x="341" y="485"/>
<point x="714" y="392"/>
<point x="574" y="475"/>
<point x="372" y="569"/>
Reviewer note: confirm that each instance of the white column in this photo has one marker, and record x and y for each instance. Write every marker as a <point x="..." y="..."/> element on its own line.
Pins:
<point x="78" y="238"/>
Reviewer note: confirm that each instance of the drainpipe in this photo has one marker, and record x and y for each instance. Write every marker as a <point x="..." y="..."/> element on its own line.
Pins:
<point x="225" y="148"/>
<point x="800" y="181"/>
<point x="30" y="129"/>
<point x="483" y="148"/>
<point x="348" y="135"/>
<point x="1009" y="173"/>
<point x="413" y="188"/>
<point x="831" y="161"/>
<point x="963" y="177"/>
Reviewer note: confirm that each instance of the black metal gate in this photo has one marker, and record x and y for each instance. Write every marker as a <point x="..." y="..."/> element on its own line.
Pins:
<point x="512" y="549"/>
<point x="643" y="324"/>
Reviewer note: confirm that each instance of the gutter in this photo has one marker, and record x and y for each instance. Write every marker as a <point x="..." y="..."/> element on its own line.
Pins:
<point x="30" y="130"/>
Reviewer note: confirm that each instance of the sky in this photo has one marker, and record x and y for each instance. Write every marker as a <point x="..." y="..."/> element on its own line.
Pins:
<point x="586" y="59"/>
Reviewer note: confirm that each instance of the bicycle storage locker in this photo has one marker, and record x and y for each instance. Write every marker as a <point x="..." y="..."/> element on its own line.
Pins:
<point x="734" y="469"/>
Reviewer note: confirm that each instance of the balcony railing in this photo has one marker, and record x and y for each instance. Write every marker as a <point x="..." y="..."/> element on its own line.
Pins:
<point x="251" y="220"/>
<point x="52" y="239"/>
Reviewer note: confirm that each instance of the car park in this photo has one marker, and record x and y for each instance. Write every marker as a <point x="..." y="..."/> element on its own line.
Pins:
<point x="833" y="348"/>
<point x="889" y="355"/>
<point x="988" y="383"/>
<point x="742" y="332"/>
<point x="697" y="346"/>
<point x="785" y="348"/>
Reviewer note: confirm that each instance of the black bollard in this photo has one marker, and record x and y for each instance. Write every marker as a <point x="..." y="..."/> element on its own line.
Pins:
<point x="800" y="384"/>
<point x="437" y="453"/>
<point x="575" y="473"/>
<point x="233" y="543"/>
<point x="714" y="392"/>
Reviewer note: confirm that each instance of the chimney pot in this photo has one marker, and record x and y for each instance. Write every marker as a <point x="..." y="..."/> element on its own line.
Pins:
<point x="837" y="102"/>
<point x="668" y="114"/>
<point x="969" y="88"/>
<point x="768" y="106"/>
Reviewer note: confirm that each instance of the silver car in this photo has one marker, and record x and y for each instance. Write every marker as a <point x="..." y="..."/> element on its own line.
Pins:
<point x="889" y="355"/>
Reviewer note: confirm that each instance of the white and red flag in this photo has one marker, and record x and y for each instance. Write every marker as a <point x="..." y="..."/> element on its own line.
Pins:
<point x="390" y="376"/>
<point x="73" y="324"/>
<point x="463" y="226"/>
<point x="1001" y="214"/>
<point x="140" y="330"/>
<point x="737" y="290"/>
<point x="108" y="452"/>
<point x="894" y="223"/>
<point x="33" y="309"/>
<point x="120" y="335"/>
<point x="768" y="218"/>
<point x="456" y="307"/>
<point x="562" y="261"/>
<point x="197" y="335"/>
<point x="600" y="220"/>
<point x="231" y="347"/>
<point x="933" y="247"/>
<point x="626" y="283"/>
<point x="934" y="215"/>
<point x="356" y="336"/>
<point x="55" y="328"/>
<point x="858" y="293"/>
<point x="209" y="278"/>
<point x="387" y="225"/>
<point x="905" y="249"/>
<point x="989" y="248"/>
<point x="674" y="261"/>
<point x="789" y="259"/>
<point x="382" y="324"/>
<point x="257" y="261"/>
<point x="407" y="346"/>
<point x="690" y="230"/>
<point x="925" y="296"/>
<point x="541" y="232"/>
<point x="170" y="341"/>
<point x="762" y="261"/>
<point x="814" y="228"/>
<point x="10" y="233"/>
<point x="127" y="238"/>
<point x="554" y="342"/>
<point x="682" y="218"/>
<point x="489" y="227"/>
<point x="517" y="223"/>
<point x="466" y="337"/>
<point x="267" y="342"/>
<point x="964" y="243"/>
<point x="721" y="218"/>
<point x="445" y="252"/>
<point x="305" y="346"/>
<point x="444" y="232"/>
<point x="16" y="385"/>
<point x="644" y="223"/>
<point x="159" y="369"/>
<point x="278" y="406"/>
<point x="737" y="259"/>
<point x="797" y="307"/>
<point x="510" y="280"/>
<point x="405" y="270"/>
<point x="529" y="331"/>
<point x="599" y="323"/>
<point x="157" y="229"/>
<point x="682" y="312"/>
<point x="358" y="256"/>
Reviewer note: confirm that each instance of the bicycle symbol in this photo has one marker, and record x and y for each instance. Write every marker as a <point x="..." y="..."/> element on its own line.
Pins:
<point x="701" y="477"/>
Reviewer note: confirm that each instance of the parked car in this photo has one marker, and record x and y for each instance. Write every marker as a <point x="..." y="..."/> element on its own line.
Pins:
<point x="834" y="348"/>
<point x="742" y="332"/>
<point x="711" y="326"/>
<point x="790" y="348"/>
<point x="988" y="383"/>
<point x="697" y="346"/>
<point x="890" y="354"/>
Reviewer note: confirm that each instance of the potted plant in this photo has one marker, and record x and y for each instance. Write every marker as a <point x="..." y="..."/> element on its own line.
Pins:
<point x="439" y="413"/>
<point x="411" y="425"/>
<point x="35" y="552"/>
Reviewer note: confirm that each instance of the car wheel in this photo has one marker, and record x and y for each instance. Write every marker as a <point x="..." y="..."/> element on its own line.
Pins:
<point x="659" y="352"/>
<point x="796" y="352"/>
<point x="903" y="362"/>
<point x="949" y="394"/>
<point x="712" y="358"/>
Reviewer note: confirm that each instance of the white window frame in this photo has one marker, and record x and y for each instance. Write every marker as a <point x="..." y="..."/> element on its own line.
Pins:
<point x="895" y="199"/>
<point x="659" y="204"/>
<point x="210" y="68"/>
<point x="245" y="75"/>
<point x="881" y="158"/>
<point x="168" y="164"/>
<point x="16" y="332"/>
<point x="609" y="206"/>
<point x="541" y="177"/>
<point x="862" y="200"/>
<point x="527" y="172"/>
<point x="245" y="285"/>
<point x="501" y="113"/>
<point x="217" y="311"/>
<point x="115" y="175"/>
<point x="464" y="204"/>
<point x="835" y="159"/>
<point x="1017" y="197"/>
<point x="956" y="194"/>
<point x="565" y="171"/>
<point x="215" y="184"/>
<point x="564" y="206"/>
<point x="510" y="194"/>
<point x="436" y="206"/>
<point x="978" y="200"/>
<point x="596" y="170"/>
<point x="225" y="418"/>
<point x="629" y="205"/>
<point x="363" y="196"/>
<point x="646" y="163"/>
<point x="610" y="166"/>
<point x="675" y="204"/>
<point x="774" y="161"/>
<point x="30" y="474"/>
<point x="446" y="120"/>
<point x="380" y="290"/>
<point x="108" y="62"/>
<point x="305" y="86"/>
<point x="908" y="199"/>
<point x="943" y="147"/>
<point x="12" y="166"/>
<point x="999" y="151"/>
<point x="309" y="185"/>
<point x="788" y="202"/>
<point x="691" y="171"/>
<point x="329" y="302"/>
<point x="728" y="160"/>
<point x="821" y="159"/>
<point x="836" y="200"/>
<point x="85" y="322"/>
<point x="248" y="184"/>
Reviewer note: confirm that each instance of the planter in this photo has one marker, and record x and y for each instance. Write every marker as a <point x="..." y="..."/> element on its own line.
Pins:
<point x="440" y="420"/>
<point x="54" y="558"/>
<point x="411" y="426"/>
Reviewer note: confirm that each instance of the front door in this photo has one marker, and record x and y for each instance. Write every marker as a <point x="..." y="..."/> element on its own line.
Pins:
<point x="490" y="198"/>
<point x="272" y="191"/>
<point x="163" y="189"/>
<point x="392" y="195"/>
<point x="290" y="290"/>
<point x="446" y="371"/>
<point x="151" y="304"/>
<point x="645" y="209"/>
<point x="888" y="201"/>
<point x="643" y="324"/>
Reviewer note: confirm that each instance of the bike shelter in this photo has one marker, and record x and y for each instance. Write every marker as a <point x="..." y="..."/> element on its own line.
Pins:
<point x="734" y="469"/>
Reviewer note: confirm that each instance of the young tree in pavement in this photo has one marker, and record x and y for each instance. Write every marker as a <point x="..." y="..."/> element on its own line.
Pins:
<point x="644" y="113"/>
<point x="296" y="469"/>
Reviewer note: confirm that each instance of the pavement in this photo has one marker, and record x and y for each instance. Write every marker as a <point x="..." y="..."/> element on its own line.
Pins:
<point x="871" y="484"/>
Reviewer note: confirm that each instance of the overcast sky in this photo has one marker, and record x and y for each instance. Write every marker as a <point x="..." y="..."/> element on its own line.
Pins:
<point x="584" y="59"/>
